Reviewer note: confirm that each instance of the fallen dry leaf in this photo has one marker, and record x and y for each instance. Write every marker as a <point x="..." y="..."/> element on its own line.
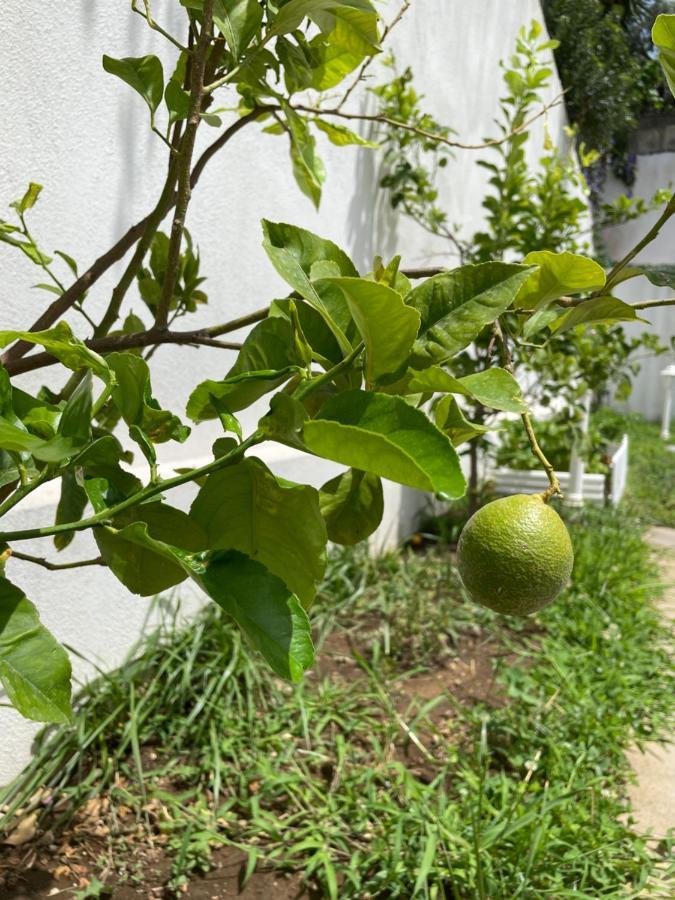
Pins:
<point x="24" y="831"/>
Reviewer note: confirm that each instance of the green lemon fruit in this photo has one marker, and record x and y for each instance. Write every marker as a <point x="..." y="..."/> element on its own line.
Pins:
<point x="515" y="555"/>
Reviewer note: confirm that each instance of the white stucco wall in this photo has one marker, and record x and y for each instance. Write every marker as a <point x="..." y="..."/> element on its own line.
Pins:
<point x="654" y="172"/>
<point x="83" y="134"/>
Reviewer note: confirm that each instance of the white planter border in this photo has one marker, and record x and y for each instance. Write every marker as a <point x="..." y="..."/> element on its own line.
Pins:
<point x="596" y="488"/>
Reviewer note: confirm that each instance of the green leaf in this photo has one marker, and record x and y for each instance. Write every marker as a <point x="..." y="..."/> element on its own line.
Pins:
<point x="308" y="168"/>
<point x="34" y="667"/>
<point x="38" y="416"/>
<point x="61" y="343"/>
<point x="663" y="36"/>
<point x="349" y="36"/>
<point x="494" y="387"/>
<point x="75" y="420"/>
<point x="387" y="437"/>
<point x="53" y="450"/>
<point x="144" y="74"/>
<point x="342" y="136"/>
<point x="238" y="21"/>
<point x="352" y="505"/>
<point x="452" y="421"/>
<point x="295" y="251"/>
<point x="101" y="461"/>
<point x="270" y="615"/>
<point x="542" y="318"/>
<point x="71" y="505"/>
<point x="292" y="13"/>
<point x="68" y="260"/>
<point x="317" y="333"/>
<point x="387" y="325"/>
<point x="177" y="102"/>
<point x="51" y="288"/>
<point x="558" y="274"/>
<point x="284" y="419"/>
<point x="133" y="549"/>
<point x="597" y="311"/>
<point x="300" y="257"/>
<point x="132" y="395"/>
<point x="244" y="507"/>
<point x="456" y="306"/>
<point x="266" y="360"/>
<point x="29" y="199"/>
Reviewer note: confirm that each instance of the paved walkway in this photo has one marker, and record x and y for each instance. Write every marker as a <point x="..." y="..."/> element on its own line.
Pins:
<point x="653" y="797"/>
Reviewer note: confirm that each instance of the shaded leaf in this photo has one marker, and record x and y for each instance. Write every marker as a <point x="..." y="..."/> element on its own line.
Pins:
<point x="133" y="549"/>
<point x="268" y="358"/>
<point x="71" y="505"/>
<point x="270" y="615"/>
<point x="245" y="507"/>
<point x="144" y="74"/>
<point x="238" y="21"/>
<point x="494" y="387"/>
<point x="132" y="395"/>
<point x="542" y="318"/>
<point x="34" y="667"/>
<point x="352" y="505"/>
<point x="308" y="168"/>
<point x="452" y="421"/>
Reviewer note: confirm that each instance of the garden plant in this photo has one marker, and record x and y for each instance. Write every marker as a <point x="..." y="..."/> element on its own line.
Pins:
<point x="349" y="360"/>
<point x="527" y="208"/>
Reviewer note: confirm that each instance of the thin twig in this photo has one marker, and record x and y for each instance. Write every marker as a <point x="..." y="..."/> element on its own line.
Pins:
<point x="185" y="165"/>
<point x="56" y="567"/>
<point x="147" y="15"/>
<point x="383" y="37"/>
<point x="82" y="284"/>
<point x="423" y="272"/>
<point x="429" y="135"/>
<point x="649" y="304"/>
<point x="114" y="342"/>
<point x="647" y="239"/>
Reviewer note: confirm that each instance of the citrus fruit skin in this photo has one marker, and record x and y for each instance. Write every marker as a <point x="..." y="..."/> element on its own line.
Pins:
<point x="515" y="555"/>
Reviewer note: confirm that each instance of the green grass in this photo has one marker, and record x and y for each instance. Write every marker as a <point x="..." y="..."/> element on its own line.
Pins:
<point x="520" y="800"/>
<point x="650" y="494"/>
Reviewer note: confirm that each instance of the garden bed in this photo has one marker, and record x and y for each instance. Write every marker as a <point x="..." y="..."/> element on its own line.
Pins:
<point x="435" y="747"/>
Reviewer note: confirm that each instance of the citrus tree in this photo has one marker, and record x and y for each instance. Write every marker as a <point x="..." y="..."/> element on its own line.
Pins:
<point x="348" y="360"/>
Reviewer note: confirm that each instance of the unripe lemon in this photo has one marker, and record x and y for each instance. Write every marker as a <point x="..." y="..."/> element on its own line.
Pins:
<point x="515" y="555"/>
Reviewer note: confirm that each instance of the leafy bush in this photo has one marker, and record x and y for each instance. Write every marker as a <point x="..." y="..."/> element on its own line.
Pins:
<point x="609" y="71"/>
<point x="559" y="433"/>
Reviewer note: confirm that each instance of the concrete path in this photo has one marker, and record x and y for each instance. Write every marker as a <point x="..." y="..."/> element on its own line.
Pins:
<point x="653" y="797"/>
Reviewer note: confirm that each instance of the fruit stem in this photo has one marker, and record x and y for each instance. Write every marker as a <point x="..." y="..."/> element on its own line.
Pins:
<point x="507" y="363"/>
<point x="554" y="484"/>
